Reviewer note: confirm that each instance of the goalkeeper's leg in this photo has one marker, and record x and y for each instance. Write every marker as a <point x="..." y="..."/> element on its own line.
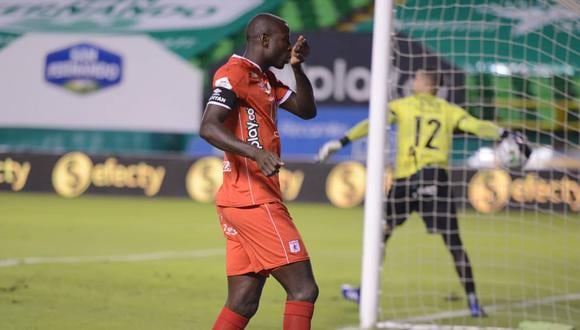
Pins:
<point x="463" y="267"/>
<point x="461" y="260"/>
<point x="437" y="208"/>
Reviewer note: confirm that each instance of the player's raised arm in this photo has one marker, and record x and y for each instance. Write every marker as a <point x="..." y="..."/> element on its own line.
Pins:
<point x="358" y="131"/>
<point x="490" y="131"/>
<point x="302" y="102"/>
<point x="481" y="128"/>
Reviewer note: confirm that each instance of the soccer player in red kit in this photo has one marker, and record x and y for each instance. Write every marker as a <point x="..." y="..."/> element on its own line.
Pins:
<point x="240" y="118"/>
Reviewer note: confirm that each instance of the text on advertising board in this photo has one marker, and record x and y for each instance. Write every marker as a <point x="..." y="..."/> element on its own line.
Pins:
<point x="14" y="173"/>
<point x="83" y="68"/>
<point x="75" y="172"/>
<point x="490" y="191"/>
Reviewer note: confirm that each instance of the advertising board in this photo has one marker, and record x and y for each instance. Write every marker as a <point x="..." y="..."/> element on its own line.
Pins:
<point x="342" y="185"/>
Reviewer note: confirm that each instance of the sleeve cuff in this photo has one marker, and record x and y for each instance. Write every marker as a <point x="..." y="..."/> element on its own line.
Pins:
<point x="285" y="97"/>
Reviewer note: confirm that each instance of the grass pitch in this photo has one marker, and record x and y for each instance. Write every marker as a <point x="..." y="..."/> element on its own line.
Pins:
<point x="526" y="266"/>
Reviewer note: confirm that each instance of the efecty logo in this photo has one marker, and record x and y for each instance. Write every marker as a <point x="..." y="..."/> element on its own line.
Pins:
<point x="76" y="172"/>
<point x="83" y="68"/>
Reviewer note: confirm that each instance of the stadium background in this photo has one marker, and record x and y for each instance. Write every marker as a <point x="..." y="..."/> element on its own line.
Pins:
<point x="134" y="134"/>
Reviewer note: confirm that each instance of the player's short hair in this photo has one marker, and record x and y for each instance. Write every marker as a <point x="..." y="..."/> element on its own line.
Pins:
<point x="433" y="74"/>
<point x="263" y="23"/>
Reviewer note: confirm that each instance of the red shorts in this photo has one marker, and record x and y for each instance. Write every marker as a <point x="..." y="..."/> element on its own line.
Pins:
<point x="260" y="238"/>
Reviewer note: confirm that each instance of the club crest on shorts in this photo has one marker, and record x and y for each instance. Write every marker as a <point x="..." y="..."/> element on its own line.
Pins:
<point x="294" y="246"/>
<point x="229" y="230"/>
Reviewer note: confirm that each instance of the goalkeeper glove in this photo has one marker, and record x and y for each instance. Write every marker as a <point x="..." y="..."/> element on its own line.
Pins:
<point x="330" y="148"/>
<point x="520" y="139"/>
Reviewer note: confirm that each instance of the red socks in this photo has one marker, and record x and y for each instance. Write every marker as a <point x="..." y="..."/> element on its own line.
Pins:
<point x="229" y="320"/>
<point x="298" y="315"/>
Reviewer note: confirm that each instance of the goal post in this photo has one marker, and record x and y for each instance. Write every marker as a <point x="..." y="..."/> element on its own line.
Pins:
<point x="373" y="211"/>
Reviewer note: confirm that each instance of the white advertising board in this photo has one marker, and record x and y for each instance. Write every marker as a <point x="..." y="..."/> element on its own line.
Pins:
<point x="102" y="82"/>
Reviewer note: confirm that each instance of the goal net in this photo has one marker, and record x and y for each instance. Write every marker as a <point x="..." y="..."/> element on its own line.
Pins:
<point x="516" y="63"/>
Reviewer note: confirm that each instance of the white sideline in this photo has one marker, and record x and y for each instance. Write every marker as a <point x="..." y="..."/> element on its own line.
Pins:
<point x="412" y="323"/>
<point x="118" y="258"/>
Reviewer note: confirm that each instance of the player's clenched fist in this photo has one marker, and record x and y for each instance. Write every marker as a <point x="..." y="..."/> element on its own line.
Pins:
<point x="268" y="162"/>
<point x="300" y="51"/>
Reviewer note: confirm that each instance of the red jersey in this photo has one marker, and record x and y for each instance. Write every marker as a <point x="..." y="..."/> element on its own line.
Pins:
<point x="253" y="120"/>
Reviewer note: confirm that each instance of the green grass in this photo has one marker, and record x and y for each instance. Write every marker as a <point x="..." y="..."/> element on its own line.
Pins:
<point x="516" y="257"/>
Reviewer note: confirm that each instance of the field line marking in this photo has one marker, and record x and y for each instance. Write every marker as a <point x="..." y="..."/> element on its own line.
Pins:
<point x="117" y="258"/>
<point x="494" y="308"/>
<point x="413" y="322"/>
<point x="410" y="326"/>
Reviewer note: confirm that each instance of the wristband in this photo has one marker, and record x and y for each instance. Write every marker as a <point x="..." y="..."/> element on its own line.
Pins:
<point x="344" y="141"/>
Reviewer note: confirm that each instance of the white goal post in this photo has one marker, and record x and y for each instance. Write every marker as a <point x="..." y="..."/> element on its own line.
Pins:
<point x="373" y="211"/>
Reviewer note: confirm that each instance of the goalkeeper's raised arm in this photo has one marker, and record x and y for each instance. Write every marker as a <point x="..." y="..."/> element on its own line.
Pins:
<point x="425" y="125"/>
<point x="481" y="128"/>
<point x="359" y="130"/>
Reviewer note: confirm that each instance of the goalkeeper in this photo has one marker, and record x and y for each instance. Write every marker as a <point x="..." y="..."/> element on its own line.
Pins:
<point x="424" y="138"/>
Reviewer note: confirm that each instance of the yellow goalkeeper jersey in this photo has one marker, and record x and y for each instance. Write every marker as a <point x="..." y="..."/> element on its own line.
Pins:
<point x="425" y="125"/>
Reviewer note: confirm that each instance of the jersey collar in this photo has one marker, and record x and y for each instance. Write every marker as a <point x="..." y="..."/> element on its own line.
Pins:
<point x="247" y="60"/>
<point x="425" y="95"/>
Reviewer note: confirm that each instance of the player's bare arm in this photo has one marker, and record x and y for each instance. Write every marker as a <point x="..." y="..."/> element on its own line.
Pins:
<point x="301" y="103"/>
<point x="213" y="131"/>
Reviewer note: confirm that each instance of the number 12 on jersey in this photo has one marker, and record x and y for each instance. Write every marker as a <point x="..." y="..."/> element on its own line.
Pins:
<point x="426" y="132"/>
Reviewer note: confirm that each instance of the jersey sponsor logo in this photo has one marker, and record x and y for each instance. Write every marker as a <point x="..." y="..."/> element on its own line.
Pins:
<point x="223" y="96"/>
<point x="216" y="96"/>
<point x="83" y="68"/>
<point x="294" y="246"/>
<point x="223" y="82"/>
<point x="253" y="129"/>
<point x="227" y="166"/>
<point x="427" y="190"/>
<point x="265" y="86"/>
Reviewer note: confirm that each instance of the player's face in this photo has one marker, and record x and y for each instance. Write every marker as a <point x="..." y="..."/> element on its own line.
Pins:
<point x="422" y="83"/>
<point x="280" y="47"/>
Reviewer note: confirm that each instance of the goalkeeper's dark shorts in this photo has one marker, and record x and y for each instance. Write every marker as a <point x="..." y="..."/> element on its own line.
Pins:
<point x="427" y="192"/>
